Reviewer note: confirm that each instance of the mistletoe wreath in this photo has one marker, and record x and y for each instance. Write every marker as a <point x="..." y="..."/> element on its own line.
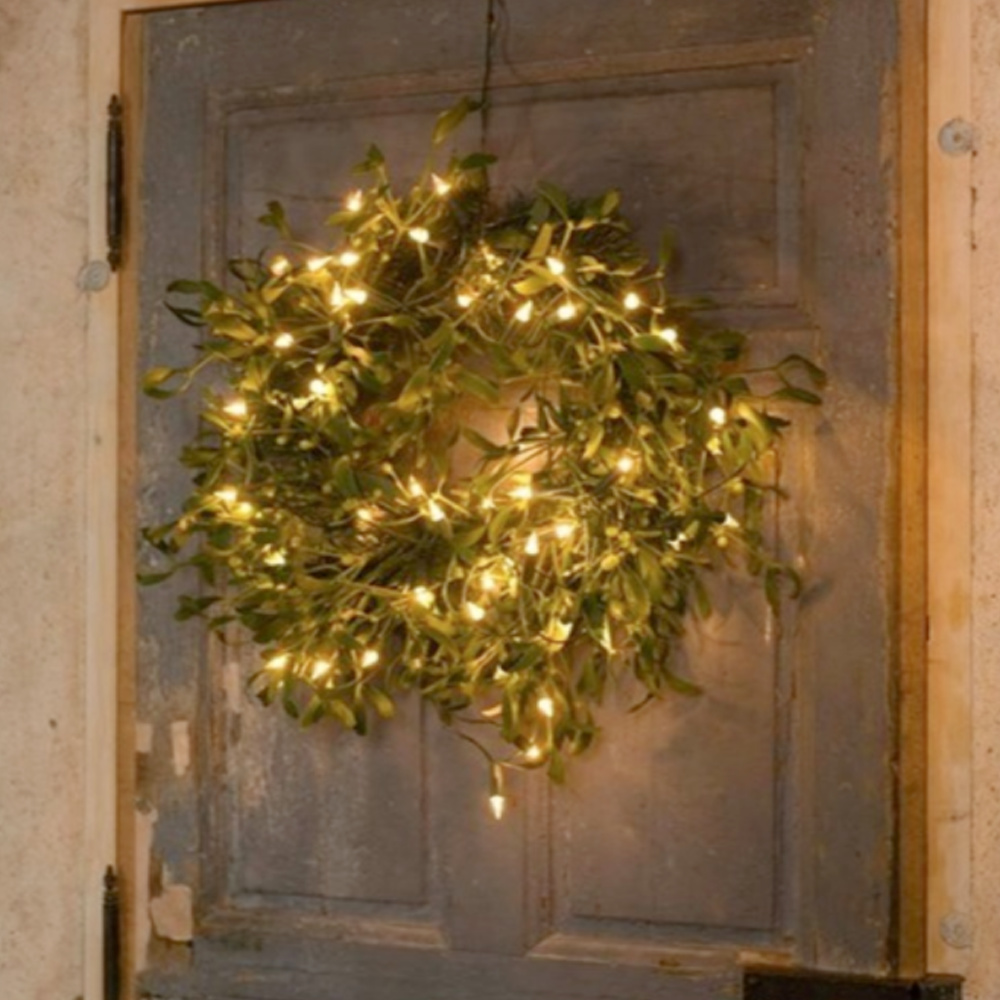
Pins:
<point x="372" y="540"/>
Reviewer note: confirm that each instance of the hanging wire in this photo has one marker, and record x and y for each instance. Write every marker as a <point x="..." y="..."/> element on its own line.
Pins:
<point x="496" y="21"/>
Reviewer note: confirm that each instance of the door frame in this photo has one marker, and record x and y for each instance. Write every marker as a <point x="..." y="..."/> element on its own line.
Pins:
<point x="935" y="492"/>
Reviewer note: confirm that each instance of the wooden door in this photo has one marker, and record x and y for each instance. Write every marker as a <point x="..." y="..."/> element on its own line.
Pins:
<point x="755" y="822"/>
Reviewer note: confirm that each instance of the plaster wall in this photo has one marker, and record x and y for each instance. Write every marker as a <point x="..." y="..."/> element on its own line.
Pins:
<point x="43" y="226"/>
<point x="44" y="406"/>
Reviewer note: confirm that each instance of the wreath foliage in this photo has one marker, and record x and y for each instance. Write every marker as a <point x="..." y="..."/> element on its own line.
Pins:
<point x="473" y="451"/>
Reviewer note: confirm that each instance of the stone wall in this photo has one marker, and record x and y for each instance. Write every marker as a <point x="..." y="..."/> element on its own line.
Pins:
<point x="43" y="419"/>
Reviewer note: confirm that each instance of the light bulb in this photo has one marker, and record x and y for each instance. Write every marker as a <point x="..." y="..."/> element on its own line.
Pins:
<point x="280" y="266"/>
<point x="533" y="752"/>
<point x="435" y="512"/>
<point x="625" y="464"/>
<point x="546" y="706"/>
<point x="524" y="311"/>
<point x="315" y="264"/>
<point x="357" y="295"/>
<point x="632" y="301"/>
<point x="274" y="557"/>
<point x="717" y="415"/>
<point x="566" y="311"/>
<point x="236" y="408"/>
<point x="564" y="529"/>
<point x="278" y="662"/>
<point x="283" y="341"/>
<point x="228" y="494"/>
<point x="245" y="509"/>
<point x="441" y="186"/>
<point x="415" y="487"/>
<point x="321" y="668"/>
<point x="522" y="492"/>
<point x="730" y="522"/>
<point x="320" y="388"/>
<point x="354" y="201"/>
<point x="532" y="546"/>
<point x="475" y="611"/>
<point x="669" y="334"/>
<point x="488" y="582"/>
<point x="419" y="235"/>
<point x="498" y="803"/>
<point x="555" y="265"/>
<point x="367" y="515"/>
<point x="424" y="596"/>
<point x="369" y="658"/>
<point x="464" y="299"/>
<point x="337" y="299"/>
<point x="349" y="258"/>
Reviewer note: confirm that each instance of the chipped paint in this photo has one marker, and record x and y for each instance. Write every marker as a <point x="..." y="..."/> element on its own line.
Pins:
<point x="172" y="913"/>
<point x="233" y="681"/>
<point x="143" y="737"/>
<point x="180" y="742"/>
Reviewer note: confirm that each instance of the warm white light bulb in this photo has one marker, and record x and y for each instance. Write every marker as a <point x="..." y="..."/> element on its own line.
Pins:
<point x="497" y="806"/>
<point x="532" y="546"/>
<point x="367" y="515"/>
<point x="435" y="511"/>
<point x="357" y="295"/>
<point x="280" y="266"/>
<point x="283" y="341"/>
<point x="415" y="487"/>
<point x="228" y="494"/>
<point x="320" y="388"/>
<point x="669" y="334"/>
<point x="419" y="235"/>
<point x="625" y="464"/>
<point x="717" y="415"/>
<point x="321" y="668"/>
<point x="274" y="557"/>
<point x="337" y="299"/>
<point x="546" y="706"/>
<point x="475" y="611"/>
<point x="315" y="264"/>
<point x="555" y="266"/>
<point x="424" y="596"/>
<point x="522" y="492"/>
<point x="349" y="258"/>
<point x="632" y="301"/>
<point x="488" y="582"/>
<point x="369" y="658"/>
<point x="730" y="522"/>
<point x="524" y="311"/>
<point x="236" y="408"/>
<point x="564" y="529"/>
<point x="354" y="201"/>
<point x="566" y="311"/>
<point x="441" y="186"/>
<point x="464" y="299"/>
<point x="278" y="662"/>
<point x="245" y="509"/>
<point x="533" y="752"/>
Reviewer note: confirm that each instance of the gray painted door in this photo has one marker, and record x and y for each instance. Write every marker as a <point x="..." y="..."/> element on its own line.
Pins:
<point x="753" y="822"/>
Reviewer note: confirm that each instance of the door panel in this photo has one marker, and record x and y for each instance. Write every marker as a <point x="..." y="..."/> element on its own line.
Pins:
<point x="755" y="820"/>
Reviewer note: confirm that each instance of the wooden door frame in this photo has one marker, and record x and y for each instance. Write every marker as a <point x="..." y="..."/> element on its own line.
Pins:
<point x="935" y="491"/>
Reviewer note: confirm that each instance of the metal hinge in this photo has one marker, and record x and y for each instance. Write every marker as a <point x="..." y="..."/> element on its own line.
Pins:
<point x="112" y="936"/>
<point x="115" y="183"/>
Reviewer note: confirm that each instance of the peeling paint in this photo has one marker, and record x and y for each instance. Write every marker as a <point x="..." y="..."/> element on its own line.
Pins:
<point x="145" y="822"/>
<point x="172" y="913"/>
<point x="180" y="741"/>
<point x="233" y="681"/>
<point x="143" y="737"/>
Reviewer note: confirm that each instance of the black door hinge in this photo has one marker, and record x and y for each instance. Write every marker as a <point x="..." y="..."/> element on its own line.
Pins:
<point x="115" y="183"/>
<point x="112" y="936"/>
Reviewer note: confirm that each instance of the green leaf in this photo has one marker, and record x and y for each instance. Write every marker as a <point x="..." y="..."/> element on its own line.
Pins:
<point x="475" y="385"/>
<point x="276" y="219"/>
<point x="153" y="380"/>
<point x="449" y="120"/>
<point x="794" y="393"/>
<point x="533" y="284"/>
<point x="476" y="161"/>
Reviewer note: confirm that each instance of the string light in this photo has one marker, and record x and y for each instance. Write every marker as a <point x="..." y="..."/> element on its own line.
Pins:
<point x="367" y="515"/>
<point x="354" y="201"/>
<point x="564" y="529"/>
<point x="283" y="341"/>
<point x="369" y="658"/>
<point x="278" y="662"/>
<point x="668" y="334"/>
<point x="245" y="510"/>
<point x="435" y="512"/>
<point x="441" y="186"/>
<point x="415" y="487"/>
<point x="632" y="301"/>
<point x="555" y="266"/>
<point x="524" y="311"/>
<point x="236" y="408"/>
<point x="498" y="803"/>
<point x="558" y="631"/>
<point x="280" y="266"/>
<point x="424" y="596"/>
<point x="533" y="752"/>
<point x="419" y="235"/>
<point x="488" y="582"/>
<point x="475" y="611"/>
<point x="320" y="388"/>
<point x="349" y="258"/>
<point x="228" y="494"/>
<point x="566" y="311"/>
<point x="464" y="299"/>
<point x="274" y="557"/>
<point x="337" y="299"/>
<point x="532" y="546"/>
<point x="321" y="668"/>
<point x="315" y="264"/>
<point x="522" y="492"/>
<point x="625" y="464"/>
<point x="357" y="295"/>
<point x="730" y="522"/>
<point x="546" y="706"/>
<point x="717" y="415"/>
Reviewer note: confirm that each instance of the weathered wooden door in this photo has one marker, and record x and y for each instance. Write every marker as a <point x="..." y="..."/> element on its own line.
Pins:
<point x="753" y="822"/>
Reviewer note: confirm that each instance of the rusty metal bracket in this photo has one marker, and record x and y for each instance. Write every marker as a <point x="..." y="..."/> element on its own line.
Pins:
<point x="115" y="182"/>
